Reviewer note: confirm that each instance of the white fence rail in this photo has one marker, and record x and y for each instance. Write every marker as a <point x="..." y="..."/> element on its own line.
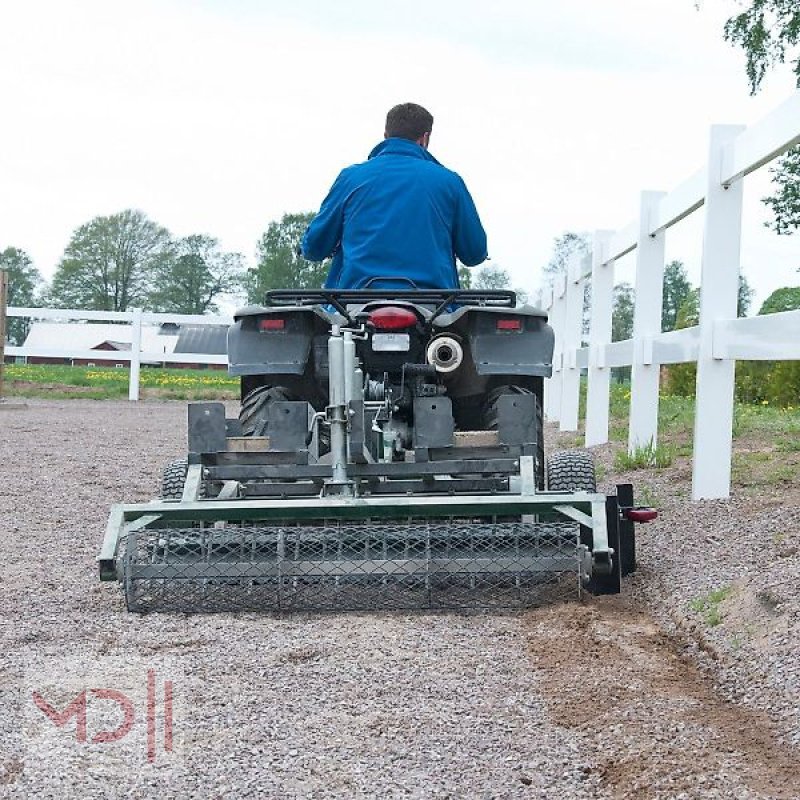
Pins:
<point x="133" y="357"/>
<point x="719" y="339"/>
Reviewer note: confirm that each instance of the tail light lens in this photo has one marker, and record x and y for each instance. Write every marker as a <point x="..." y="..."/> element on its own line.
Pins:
<point x="392" y="318"/>
<point x="509" y="324"/>
<point x="271" y="324"/>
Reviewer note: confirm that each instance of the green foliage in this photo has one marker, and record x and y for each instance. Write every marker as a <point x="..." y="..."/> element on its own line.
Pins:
<point x="464" y="277"/>
<point x="768" y="31"/>
<point x="564" y="247"/>
<point x="681" y="378"/>
<point x="785" y="203"/>
<point x="771" y="382"/>
<point x="492" y="277"/>
<point x="676" y="290"/>
<point x="648" y="456"/>
<point x="194" y="275"/>
<point x="783" y="387"/>
<point x="23" y="282"/>
<point x="110" y="263"/>
<point x="784" y="299"/>
<point x="622" y="313"/>
<point x="744" y="298"/>
<point x="647" y="497"/>
<point x="708" y="605"/>
<point x="102" y="383"/>
<point x="279" y="265"/>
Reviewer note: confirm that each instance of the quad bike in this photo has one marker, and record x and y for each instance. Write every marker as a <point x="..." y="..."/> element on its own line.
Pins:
<point x="388" y="453"/>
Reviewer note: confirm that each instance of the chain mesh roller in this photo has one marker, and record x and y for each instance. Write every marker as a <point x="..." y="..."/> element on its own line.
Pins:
<point x="458" y="564"/>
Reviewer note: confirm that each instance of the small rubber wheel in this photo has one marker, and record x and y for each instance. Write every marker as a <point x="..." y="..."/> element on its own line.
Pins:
<point x="571" y="471"/>
<point x="173" y="479"/>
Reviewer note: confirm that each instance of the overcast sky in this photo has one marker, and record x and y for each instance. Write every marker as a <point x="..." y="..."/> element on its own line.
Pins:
<point x="217" y="116"/>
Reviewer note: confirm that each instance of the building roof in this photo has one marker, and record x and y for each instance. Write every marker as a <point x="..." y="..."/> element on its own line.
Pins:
<point x="89" y="335"/>
<point x="208" y="339"/>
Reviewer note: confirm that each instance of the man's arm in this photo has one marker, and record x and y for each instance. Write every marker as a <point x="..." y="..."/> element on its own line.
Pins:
<point x="469" y="238"/>
<point x="324" y="233"/>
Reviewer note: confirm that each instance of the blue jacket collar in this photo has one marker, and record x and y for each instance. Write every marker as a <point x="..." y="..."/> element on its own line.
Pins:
<point x="401" y="147"/>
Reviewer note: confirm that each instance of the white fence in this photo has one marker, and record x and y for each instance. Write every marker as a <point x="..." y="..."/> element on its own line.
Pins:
<point x="719" y="339"/>
<point x="135" y="356"/>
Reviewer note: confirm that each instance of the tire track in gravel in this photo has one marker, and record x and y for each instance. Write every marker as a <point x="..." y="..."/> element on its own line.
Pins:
<point x="652" y="723"/>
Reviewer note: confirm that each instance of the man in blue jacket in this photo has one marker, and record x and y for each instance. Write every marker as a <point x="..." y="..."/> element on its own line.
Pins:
<point x="399" y="215"/>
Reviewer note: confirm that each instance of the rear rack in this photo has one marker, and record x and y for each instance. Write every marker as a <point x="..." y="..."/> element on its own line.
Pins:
<point x="442" y="298"/>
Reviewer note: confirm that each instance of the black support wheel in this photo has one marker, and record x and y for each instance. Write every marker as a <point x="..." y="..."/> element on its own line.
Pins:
<point x="490" y="422"/>
<point x="173" y="479"/>
<point x="254" y="413"/>
<point x="571" y="471"/>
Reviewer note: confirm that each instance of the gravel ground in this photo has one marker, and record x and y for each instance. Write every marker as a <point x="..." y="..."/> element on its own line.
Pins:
<point x="627" y="697"/>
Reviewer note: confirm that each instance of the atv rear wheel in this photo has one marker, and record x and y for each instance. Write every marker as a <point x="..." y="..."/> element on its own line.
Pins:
<point x="254" y="413"/>
<point x="490" y="423"/>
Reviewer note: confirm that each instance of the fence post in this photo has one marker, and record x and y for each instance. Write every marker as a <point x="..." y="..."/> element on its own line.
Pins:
<point x="136" y="353"/>
<point x="649" y="289"/>
<point x="556" y="319"/>
<point x="572" y="327"/>
<point x="3" y="301"/>
<point x="599" y="375"/>
<point x="719" y="292"/>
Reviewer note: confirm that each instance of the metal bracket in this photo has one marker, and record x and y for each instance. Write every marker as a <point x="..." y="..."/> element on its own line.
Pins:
<point x="191" y="488"/>
<point x="578" y="516"/>
<point x="599" y="529"/>
<point x="527" y="475"/>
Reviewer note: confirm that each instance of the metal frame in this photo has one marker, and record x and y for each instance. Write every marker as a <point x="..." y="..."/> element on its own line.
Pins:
<point x="589" y="510"/>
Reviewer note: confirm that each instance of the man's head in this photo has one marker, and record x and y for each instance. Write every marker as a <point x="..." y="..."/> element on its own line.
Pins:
<point x="409" y="121"/>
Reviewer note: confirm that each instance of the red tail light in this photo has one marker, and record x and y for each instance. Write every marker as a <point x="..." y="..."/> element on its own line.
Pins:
<point x="509" y="324"/>
<point x="392" y="318"/>
<point x="271" y="324"/>
<point x="640" y="514"/>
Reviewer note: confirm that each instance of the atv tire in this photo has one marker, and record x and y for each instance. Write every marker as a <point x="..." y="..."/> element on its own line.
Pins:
<point x="571" y="471"/>
<point x="254" y="413"/>
<point x="490" y="423"/>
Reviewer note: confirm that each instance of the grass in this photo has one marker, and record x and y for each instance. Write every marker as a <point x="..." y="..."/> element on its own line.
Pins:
<point x="648" y="456"/>
<point x="105" y="383"/>
<point x="647" y="497"/>
<point x="708" y="605"/>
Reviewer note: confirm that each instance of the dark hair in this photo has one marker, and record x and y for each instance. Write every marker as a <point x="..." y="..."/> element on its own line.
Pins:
<point x="408" y="121"/>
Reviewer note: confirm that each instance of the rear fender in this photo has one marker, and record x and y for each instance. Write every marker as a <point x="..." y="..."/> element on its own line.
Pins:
<point x="504" y="349"/>
<point x="278" y="349"/>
